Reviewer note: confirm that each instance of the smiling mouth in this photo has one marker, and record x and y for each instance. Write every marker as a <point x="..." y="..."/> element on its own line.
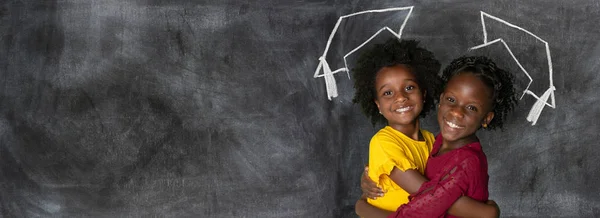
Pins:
<point x="403" y="109"/>
<point x="453" y="125"/>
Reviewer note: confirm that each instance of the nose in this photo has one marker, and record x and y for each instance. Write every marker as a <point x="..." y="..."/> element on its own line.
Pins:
<point x="457" y="112"/>
<point x="401" y="97"/>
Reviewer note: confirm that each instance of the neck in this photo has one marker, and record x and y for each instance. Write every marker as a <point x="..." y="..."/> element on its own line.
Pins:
<point x="410" y="130"/>
<point x="451" y="145"/>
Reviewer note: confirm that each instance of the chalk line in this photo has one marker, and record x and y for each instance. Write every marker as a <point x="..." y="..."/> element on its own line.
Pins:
<point x="542" y="100"/>
<point x="323" y="65"/>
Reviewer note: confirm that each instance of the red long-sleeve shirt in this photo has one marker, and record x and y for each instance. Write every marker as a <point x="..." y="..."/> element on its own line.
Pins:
<point x="462" y="171"/>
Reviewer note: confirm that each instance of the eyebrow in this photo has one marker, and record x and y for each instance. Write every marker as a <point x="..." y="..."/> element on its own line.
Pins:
<point x="380" y="88"/>
<point x="446" y="93"/>
<point x="476" y="103"/>
<point x="384" y="85"/>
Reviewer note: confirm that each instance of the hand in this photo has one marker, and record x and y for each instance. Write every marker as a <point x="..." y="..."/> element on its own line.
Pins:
<point x="369" y="187"/>
<point x="493" y="203"/>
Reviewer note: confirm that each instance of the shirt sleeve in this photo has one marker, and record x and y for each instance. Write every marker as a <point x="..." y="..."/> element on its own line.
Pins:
<point x="386" y="153"/>
<point x="435" y="197"/>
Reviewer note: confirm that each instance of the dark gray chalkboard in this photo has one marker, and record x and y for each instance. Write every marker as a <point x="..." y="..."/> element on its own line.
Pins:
<point x="210" y="109"/>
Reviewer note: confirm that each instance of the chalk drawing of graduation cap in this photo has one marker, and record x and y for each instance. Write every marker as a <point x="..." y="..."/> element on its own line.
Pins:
<point x="542" y="100"/>
<point x="324" y="69"/>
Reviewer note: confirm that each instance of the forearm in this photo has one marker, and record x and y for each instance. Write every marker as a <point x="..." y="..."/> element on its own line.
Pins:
<point x="365" y="210"/>
<point x="410" y="180"/>
<point x="468" y="207"/>
<point x="433" y="200"/>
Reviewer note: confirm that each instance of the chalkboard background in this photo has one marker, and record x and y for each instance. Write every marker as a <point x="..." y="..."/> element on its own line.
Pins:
<point x="210" y="109"/>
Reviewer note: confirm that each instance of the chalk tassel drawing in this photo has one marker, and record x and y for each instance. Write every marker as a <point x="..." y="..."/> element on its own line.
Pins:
<point x="542" y="100"/>
<point x="324" y="69"/>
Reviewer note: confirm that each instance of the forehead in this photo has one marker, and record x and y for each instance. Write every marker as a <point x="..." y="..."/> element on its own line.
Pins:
<point x="470" y="85"/>
<point x="398" y="71"/>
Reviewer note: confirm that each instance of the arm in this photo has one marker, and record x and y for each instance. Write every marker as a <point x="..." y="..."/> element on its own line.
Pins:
<point x="365" y="210"/>
<point x="370" y="190"/>
<point x="387" y="157"/>
<point x="409" y="180"/>
<point x="463" y="207"/>
<point x="368" y="187"/>
<point x="468" y="207"/>
<point x="435" y="197"/>
<point x="395" y="159"/>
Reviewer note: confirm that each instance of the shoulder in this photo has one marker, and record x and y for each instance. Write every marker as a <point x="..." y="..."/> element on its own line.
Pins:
<point x="385" y="134"/>
<point x="427" y="134"/>
<point x="474" y="152"/>
<point x="389" y="138"/>
<point x="382" y="134"/>
<point x="470" y="159"/>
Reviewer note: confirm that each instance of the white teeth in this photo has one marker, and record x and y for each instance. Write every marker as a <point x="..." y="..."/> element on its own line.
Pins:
<point x="452" y="125"/>
<point x="403" y="109"/>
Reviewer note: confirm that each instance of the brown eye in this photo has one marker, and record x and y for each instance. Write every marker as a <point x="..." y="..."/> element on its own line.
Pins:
<point x="451" y="100"/>
<point x="387" y="93"/>
<point x="408" y="88"/>
<point x="471" y="107"/>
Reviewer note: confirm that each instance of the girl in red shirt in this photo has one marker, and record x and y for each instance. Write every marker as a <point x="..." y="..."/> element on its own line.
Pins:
<point x="477" y="95"/>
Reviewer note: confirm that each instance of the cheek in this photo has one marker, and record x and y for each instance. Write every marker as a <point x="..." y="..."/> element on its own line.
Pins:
<point x="382" y="102"/>
<point x="418" y="96"/>
<point x="476" y="121"/>
<point x="440" y="112"/>
<point x="441" y="108"/>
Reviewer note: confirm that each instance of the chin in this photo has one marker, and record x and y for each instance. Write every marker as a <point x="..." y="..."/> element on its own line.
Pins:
<point x="449" y="136"/>
<point x="404" y="121"/>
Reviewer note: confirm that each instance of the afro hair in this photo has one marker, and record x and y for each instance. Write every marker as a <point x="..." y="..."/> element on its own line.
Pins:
<point x="395" y="52"/>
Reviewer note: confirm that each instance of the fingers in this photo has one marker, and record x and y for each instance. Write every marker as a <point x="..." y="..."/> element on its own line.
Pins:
<point x="369" y="187"/>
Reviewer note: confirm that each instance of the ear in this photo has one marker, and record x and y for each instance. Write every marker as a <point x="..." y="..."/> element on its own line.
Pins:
<point x="377" y="103"/>
<point x="487" y="119"/>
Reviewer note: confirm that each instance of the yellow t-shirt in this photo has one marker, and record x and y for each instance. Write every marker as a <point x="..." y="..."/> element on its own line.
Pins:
<point x="390" y="148"/>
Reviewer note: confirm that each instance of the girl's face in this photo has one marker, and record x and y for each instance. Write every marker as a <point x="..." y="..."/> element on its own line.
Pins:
<point x="399" y="97"/>
<point x="465" y="105"/>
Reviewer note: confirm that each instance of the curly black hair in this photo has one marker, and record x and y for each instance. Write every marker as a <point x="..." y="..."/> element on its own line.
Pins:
<point x="499" y="80"/>
<point x="394" y="52"/>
